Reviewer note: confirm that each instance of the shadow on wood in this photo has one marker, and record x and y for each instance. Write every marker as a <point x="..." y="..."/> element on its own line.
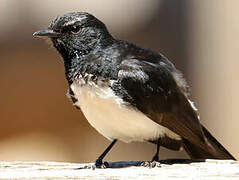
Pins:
<point x="180" y="169"/>
<point x="124" y="164"/>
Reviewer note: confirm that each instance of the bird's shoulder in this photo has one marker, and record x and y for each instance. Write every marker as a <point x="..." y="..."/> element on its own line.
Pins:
<point x="139" y="80"/>
<point x="134" y="59"/>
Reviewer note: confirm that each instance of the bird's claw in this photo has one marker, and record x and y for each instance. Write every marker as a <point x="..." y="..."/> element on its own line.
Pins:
<point x="101" y="165"/>
<point x="151" y="164"/>
<point x="89" y="166"/>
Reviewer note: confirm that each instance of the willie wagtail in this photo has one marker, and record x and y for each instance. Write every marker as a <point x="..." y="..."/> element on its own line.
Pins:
<point x="126" y="92"/>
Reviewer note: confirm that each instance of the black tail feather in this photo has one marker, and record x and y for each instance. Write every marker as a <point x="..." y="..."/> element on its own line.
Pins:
<point x="214" y="149"/>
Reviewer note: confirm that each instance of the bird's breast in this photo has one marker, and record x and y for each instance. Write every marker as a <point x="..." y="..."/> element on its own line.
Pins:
<point x="111" y="116"/>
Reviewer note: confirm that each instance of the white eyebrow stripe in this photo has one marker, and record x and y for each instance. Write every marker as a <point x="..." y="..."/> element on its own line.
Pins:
<point x="74" y="21"/>
<point x="69" y="23"/>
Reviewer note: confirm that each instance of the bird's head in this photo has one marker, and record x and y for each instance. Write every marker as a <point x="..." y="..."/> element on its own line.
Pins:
<point x="77" y="32"/>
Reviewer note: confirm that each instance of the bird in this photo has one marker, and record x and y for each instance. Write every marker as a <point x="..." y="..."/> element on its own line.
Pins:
<point x="127" y="92"/>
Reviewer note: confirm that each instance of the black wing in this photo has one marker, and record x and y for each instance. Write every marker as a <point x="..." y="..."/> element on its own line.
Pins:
<point x="153" y="89"/>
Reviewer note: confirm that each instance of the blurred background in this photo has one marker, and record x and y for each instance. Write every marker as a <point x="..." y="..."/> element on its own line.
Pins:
<point x="38" y="121"/>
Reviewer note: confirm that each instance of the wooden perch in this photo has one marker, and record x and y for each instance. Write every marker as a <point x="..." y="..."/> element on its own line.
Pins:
<point x="168" y="169"/>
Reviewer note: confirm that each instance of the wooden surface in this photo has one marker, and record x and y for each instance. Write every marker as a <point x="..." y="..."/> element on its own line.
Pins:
<point x="169" y="169"/>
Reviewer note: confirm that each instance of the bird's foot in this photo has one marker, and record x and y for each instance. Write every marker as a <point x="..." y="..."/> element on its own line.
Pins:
<point x="97" y="164"/>
<point x="100" y="164"/>
<point x="151" y="164"/>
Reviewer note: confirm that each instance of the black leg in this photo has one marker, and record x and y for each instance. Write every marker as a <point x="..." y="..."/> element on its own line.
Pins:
<point x="155" y="159"/>
<point x="98" y="162"/>
<point x="156" y="156"/>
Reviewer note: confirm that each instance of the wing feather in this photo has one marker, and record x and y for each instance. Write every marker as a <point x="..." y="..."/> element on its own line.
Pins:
<point x="152" y="89"/>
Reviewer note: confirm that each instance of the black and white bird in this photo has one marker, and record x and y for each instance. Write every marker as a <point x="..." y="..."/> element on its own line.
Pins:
<point x="126" y="92"/>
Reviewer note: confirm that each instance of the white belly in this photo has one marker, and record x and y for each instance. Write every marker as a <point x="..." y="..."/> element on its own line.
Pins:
<point x="113" y="118"/>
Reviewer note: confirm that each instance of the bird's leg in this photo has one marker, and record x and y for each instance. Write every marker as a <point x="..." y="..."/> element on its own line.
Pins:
<point x="155" y="159"/>
<point x="156" y="156"/>
<point x="98" y="162"/>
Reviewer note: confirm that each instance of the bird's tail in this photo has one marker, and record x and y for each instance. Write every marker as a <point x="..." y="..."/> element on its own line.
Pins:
<point x="213" y="149"/>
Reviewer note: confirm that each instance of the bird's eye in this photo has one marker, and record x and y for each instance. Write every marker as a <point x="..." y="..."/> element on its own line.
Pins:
<point x="75" y="29"/>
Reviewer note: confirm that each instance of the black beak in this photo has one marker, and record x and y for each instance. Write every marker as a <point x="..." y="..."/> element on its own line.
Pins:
<point x="47" y="33"/>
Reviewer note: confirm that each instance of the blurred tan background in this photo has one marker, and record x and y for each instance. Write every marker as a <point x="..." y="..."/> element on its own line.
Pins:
<point x="38" y="122"/>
